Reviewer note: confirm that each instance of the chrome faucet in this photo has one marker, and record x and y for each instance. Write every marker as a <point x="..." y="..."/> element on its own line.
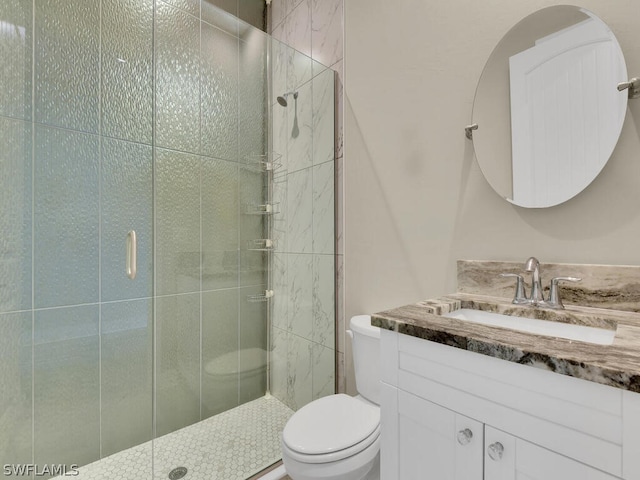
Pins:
<point x="554" y="294"/>
<point x="537" y="298"/>
<point x="520" y="297"/>
<point x="533" y="266"/>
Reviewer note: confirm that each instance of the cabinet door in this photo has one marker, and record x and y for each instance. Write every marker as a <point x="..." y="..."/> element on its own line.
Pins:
<point x="436" y="443"/>
<point x="510" y="458"/>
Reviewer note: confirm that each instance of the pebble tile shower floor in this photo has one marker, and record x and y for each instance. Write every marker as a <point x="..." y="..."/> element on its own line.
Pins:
<point x="233" y="445"/>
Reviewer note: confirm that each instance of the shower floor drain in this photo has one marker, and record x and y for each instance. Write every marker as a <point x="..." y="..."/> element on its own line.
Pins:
<point x="177" y="473"/>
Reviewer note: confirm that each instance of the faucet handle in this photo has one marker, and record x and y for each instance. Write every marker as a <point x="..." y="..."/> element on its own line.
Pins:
<point x="520" y="296"/>
<point x="554" y="294"/>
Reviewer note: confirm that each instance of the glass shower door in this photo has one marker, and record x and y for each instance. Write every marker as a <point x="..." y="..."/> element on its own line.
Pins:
<point x="75" y="179"/>
<point x="211" y="339"/>
<point x="151" y="118"/>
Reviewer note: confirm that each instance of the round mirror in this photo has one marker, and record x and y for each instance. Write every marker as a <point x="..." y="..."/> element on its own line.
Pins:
<point x="547" y="106"/>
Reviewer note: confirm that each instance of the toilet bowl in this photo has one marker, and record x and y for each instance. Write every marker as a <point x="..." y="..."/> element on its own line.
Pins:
<point x="221" y="376"/>
<point x="338" y="437"/>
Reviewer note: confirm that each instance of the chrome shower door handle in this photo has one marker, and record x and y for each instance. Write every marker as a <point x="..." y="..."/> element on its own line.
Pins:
<point x="132" y="255"/>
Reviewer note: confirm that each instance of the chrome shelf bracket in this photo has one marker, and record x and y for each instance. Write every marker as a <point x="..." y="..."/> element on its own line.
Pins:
<point x="468" y="130"/>
<point x="261" y="297"/>
<point x="632" y="85"/>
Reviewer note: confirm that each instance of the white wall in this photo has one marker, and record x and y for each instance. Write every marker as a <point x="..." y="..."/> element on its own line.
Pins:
<point x="415" y="199"/>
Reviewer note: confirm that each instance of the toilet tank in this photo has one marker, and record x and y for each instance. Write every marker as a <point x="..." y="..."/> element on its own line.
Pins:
<point x="365" y="340"/>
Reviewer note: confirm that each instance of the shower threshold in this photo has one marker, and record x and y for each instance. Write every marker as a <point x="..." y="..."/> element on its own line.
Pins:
<point x="233" y="445"/>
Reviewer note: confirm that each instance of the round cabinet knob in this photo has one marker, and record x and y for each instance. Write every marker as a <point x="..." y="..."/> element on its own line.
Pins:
<point x="465" y="436"/>
<point x="495" y="451"/>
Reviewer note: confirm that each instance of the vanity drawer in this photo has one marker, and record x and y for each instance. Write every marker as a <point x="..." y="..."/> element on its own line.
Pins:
<point x="574" y="417"/>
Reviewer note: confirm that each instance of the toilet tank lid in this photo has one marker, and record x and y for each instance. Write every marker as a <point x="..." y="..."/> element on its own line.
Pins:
<point x="330" y="424"/>
<point x="362" y="325"/>
<point x="242" y="361"/>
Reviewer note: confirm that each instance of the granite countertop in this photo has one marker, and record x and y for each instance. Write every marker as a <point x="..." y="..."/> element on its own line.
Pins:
<point x="616" y="365"/>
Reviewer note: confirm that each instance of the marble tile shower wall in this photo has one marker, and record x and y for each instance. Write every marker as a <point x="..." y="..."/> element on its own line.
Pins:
<point x="304" y="230"/>
<point x="315" y="28"/>
<point x="83" y="82"/>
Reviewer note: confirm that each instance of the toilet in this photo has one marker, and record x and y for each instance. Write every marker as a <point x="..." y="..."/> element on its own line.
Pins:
<point x="221" y="375"/>
<point x="338" y="437"/>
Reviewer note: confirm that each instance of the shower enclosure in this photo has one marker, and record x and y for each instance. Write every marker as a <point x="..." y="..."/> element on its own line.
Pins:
<point x="166" y="240"/>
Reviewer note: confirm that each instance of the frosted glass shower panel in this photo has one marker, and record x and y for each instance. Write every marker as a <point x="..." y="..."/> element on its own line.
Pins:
<point x="154" y="116"/>
<point x="253" y="138"/>
<point x="67" y="385"/>
<point x="67" y="63"/>
<point x="15" y="215"/>
<point x="177" y="81"/>
<point x="127" y="69"/>
<point x="219" y="93"/>
<point x="253" y="130"/>
<point x="219" y="351"/>
<point x="253" y="225"/>
<point x="66" y="217"/>
<point x="192" y="7"/>
<point x="16" y="376"/>
<point x="252" y="358"/>
<point x="126" y="374"/>
<point x="177" y="177"/>
<point x="127" y="202"/>
<point x="16" y="39"/>
<point x="177" y="362"/>
<point x="219" y="224"/>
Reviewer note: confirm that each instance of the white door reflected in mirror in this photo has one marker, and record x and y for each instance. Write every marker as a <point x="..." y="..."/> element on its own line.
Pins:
<point x="552" y="82"/>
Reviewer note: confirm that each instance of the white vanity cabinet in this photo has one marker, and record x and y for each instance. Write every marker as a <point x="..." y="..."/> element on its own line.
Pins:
<point x="437" y="441"/>
<point x="508" y="458"/>
<point x="451" y="414"/>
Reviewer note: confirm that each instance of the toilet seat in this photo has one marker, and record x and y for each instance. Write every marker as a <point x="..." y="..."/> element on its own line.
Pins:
<point x="341" y="426"/>
<point x="244" y="362"/>
<point x="335" y="456"/>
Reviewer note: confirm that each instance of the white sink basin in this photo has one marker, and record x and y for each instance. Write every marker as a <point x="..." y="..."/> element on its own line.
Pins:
<point x="600" y="336"/>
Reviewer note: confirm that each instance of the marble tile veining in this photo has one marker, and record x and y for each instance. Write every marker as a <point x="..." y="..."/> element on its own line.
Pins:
<point x="278" y="11"/>
<point x="279" y="372"/>
<point x="298" y="27"/>
<point x="324" y="117"/>
<point x="280" y="285"/>
<point x="324" y="208"/>
<point x="299" y="371"/>
<point x="280" y="220"/>
<point x="323" y="371"/>
<point x="326" y="36"/>
<point x="301" y="293"/>
<point x="297" y="34"/>
<point x="614" y="287"/>
<point x="324" y="300"/>
<point x="299" y="211"/>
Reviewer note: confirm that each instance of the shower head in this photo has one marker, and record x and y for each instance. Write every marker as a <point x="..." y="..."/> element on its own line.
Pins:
<point x="283" y="99"/>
